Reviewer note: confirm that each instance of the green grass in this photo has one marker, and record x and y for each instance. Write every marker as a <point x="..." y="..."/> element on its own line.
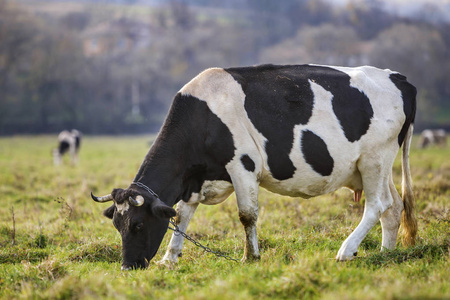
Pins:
<point x="64" y="248"/>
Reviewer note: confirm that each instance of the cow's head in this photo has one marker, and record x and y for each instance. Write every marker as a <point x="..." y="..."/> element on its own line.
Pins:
<point x="142" y="221"/>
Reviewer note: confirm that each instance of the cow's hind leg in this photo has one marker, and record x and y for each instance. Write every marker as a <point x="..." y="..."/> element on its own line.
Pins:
<point x="375" y="177"/>
<point x="390" y="220"/>
<point x="185" y="212"/>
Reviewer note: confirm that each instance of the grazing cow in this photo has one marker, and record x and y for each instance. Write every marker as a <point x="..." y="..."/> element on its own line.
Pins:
<point x="430" y="137"/>
<point x="68" y="141"/>
<point x="301" y="131"/>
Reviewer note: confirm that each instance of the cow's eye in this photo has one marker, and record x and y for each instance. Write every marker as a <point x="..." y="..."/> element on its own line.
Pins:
<point x="139" y="226"/>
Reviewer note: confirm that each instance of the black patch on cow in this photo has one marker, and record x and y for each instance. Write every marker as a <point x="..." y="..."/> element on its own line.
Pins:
<point x="210" y="144"/>
<point x="248" y="163"/>
<point x="280" y="97"/>
<point x="63" y="147"/>
<point x="350" y="105"/>
<point x="277" y="99"/>
<point x="193" y="145"/>
<point x="316" y="153"/>
<point x="77" y="142"/>
<point x="409" y="93"/>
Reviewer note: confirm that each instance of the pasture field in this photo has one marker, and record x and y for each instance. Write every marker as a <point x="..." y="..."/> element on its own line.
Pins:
<point x="56" y="244"/>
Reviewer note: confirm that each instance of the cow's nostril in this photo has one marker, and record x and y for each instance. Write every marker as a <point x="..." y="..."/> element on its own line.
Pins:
<point x="142" y="264"/>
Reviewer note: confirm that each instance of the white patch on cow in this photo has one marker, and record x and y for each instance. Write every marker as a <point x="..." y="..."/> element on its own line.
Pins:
<point x="122" y="207"/>
<point x="428" y="134"/>
<point x="225" y="98"/>
<point x="212" y="192"/>
<point x="324" y="124"/>
<point x="382" y="94"/>
<point x="67" y="137"/>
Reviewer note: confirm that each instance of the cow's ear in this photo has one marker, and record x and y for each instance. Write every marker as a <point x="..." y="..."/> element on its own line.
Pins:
<point x="162" y="210"/>
<point x="109" y="212"/>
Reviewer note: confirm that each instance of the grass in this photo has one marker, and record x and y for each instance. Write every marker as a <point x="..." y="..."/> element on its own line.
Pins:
<point x="55" y="243"/>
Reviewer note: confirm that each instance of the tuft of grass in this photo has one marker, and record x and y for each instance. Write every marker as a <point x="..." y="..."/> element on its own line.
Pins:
<point x="16" y="254"/>
<point x="45" y="270"/>
<point x="40" y="241"/>
<point x="96" y="252"/>
<point x="430" y="252"/>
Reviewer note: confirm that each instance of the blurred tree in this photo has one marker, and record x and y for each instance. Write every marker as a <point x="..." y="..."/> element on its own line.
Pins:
<point x="281" y="19"/>
<point x="420" y="53"/>
<point x="414" y="50"/>
<point x="325" y="44"/>
<point x="76" y="20"/>
<point x="368" y="17"/>
<point x="430" y="13"/>
<point x="18" y="31"/>
<point x="181" y="14"/>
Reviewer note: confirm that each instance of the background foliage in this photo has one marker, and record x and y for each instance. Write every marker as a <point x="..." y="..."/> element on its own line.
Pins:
<point x="48" y="82"/>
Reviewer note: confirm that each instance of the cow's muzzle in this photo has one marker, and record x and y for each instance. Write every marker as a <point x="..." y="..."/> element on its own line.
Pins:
<point x="138" y="265"/>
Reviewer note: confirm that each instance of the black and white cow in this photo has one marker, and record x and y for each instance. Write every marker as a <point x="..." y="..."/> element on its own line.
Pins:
<point x="68" y="141"/>
<point x="430" y="137"/>
<point x="301" y="131"/>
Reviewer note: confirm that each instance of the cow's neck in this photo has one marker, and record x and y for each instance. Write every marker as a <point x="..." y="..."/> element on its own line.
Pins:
<point x="162" y="171"/>
<point x="172" y="156"/>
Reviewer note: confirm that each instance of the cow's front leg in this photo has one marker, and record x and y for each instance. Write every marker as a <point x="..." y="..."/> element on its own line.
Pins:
<point x="247" y="201"/>
<point x="249" y="218"/>
<point x="185" y="212"/>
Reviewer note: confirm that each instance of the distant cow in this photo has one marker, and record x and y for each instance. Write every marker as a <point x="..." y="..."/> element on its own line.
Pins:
<point x="68" y="141"/>
<point x="432" y="137"/>
<point x="301" y="131"/>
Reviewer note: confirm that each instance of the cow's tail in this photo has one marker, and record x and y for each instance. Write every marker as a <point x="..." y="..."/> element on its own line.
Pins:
<point x="409" y="221"/>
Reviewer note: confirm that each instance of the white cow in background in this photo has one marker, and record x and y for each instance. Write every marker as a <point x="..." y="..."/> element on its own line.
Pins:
<point x="68" y="141"/>
<point x="432" y="137"/>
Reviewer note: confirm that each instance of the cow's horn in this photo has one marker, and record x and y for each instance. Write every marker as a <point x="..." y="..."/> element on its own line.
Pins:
<point x="102" y="199"/>
<point x="138" y="201"/>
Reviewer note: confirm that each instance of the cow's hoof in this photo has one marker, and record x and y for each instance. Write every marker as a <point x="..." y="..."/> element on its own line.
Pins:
<point x="165" y="263"/>
<point x="347" y="251"/>
<point x="339" y="259"/>
<point x="345" y="255"/>
<point x="251" y="258"/>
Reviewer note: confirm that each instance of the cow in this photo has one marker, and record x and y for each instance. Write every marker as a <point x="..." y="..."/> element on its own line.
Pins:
<point x="430" y="137"/>
<point x="296" y="130"/>
<point x="68" y="141"/>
